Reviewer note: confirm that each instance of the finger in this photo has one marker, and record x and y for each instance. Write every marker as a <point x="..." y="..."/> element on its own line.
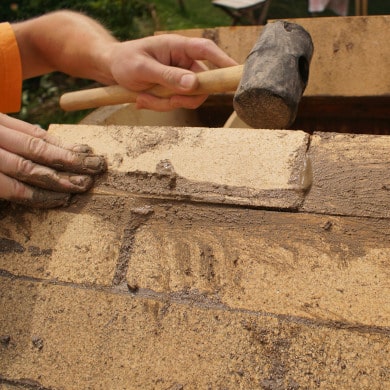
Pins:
<point x="19" y="125"/>
<point x="42" y="152"/>
<point x="174" y="78"/>
<point x="180" y="51"/>
<point x="15" y="191"/>
<point x="40" y="176"/>
<point x="151" y="102"/>
<point x="198" y="66"/>
<point x="37" y="132"/>
<point x="205" y="49"/>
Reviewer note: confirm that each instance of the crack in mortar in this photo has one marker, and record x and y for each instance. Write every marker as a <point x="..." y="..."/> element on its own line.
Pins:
<point x="138" y="217"/>
<point x="196" y="299"/>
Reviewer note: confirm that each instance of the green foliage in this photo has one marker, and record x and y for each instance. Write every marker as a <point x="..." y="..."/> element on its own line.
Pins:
<point x="117" y="15"/>
<point x="185" y="14"/>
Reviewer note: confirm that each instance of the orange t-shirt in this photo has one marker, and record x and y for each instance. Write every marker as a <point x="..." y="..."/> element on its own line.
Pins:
<point x="10" y="70"/>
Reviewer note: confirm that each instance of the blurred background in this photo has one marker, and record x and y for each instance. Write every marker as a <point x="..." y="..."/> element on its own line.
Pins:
<point x="130" y="19"/>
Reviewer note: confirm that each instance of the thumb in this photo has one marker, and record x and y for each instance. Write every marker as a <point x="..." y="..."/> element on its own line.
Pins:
<point x="177" y="79"/>
<point x="188" y="81"/>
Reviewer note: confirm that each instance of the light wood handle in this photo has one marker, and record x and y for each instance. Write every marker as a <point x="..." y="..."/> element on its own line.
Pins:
<point x="210" y="82"/>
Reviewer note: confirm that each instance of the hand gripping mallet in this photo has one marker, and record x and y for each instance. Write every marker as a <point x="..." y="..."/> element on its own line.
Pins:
<point x="269" y="85"/>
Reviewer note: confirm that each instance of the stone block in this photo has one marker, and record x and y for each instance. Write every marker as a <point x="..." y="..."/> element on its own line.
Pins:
<point x="78" y="244"/>
<point x="263" y="168"/>
<point x="351" y="175"/>
<point x="66" y="337"/>
<point x="321" y="268"/>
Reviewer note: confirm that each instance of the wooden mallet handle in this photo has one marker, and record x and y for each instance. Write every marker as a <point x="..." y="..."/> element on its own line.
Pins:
<point x="210" y="82"/>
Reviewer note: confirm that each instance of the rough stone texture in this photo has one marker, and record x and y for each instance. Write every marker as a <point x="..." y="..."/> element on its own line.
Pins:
<point x="351" y="54"/>
<point x="259" y="168"/>
<point x="82" y="338"/>
<point x="318" y="267"/>
<point x="130" y="289"/>
<point x="351" y="175"/>
<point x="79" y="245"/>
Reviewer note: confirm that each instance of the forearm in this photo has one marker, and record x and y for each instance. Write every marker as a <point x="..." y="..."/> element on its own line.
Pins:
<point x="77" y="45"/>
<point x="64" y="41"/>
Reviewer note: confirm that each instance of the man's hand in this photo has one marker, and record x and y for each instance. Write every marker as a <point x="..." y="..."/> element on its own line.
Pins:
<point x="83" y="48"/>
<point x="169" y="60"/>
<point x="36" y="169"/>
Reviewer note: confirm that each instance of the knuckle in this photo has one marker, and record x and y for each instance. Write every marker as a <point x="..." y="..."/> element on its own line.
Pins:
<point x="81" y="148"/>
<point x="24" y="167"/>
<point x="19" y="191"/>
<point x="41" y="176"/>
<point x="52" y="139"/>
<point x="69" y="158"/>
<point x="36" y="147"/>
<point x="38" y="132"/>
<point x="137" y="65"/>
<point x="204" y="46"/>
<point x="168" y="75"/>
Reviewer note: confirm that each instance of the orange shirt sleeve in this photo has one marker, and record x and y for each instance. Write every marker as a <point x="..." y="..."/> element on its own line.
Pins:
<point x="10" y="71"/>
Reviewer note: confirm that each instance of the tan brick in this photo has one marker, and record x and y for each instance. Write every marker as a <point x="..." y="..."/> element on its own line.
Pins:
<point x="258" y="167"/>
<point x="78" y="244"/>
<point x="351" y="175"/>
<point x="317" y="267"/>
<point x="66" y="337"/>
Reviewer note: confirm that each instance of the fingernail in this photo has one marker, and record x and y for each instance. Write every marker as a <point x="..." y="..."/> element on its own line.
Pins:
<point x="95" y="164"/>
<point x="83" y="182"/>
<point x="187" y="81"/>
<point x="81" y="148"/>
